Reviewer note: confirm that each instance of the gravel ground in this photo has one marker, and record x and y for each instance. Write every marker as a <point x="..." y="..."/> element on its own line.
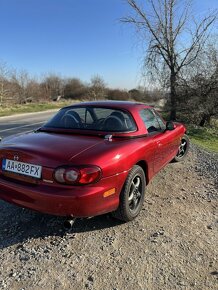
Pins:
<point x="171" y="245"/>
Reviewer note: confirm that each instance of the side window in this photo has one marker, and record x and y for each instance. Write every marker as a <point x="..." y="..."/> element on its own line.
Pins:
<point x="150" y="120"/>
<point x="160" y="120"/>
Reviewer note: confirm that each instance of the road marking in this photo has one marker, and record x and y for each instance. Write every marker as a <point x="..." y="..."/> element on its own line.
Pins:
<point x="20" y="127"/>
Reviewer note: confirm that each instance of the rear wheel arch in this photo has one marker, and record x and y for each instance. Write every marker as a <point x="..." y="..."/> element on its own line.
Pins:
<point x="144" y="165"/>
<point x="132" y="195"/>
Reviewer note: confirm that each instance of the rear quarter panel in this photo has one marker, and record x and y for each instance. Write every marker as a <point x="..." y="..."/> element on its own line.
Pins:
<point x="120" y="155"/>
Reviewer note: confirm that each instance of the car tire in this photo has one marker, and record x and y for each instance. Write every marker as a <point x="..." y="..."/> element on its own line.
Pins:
<point x="183" y="149"/>
<point x="132" y="195"/>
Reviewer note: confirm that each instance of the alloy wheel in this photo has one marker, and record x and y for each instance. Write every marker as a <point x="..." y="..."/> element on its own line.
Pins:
<point x="135" y="193"/>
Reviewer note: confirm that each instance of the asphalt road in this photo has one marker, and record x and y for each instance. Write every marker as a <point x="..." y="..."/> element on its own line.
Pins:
<point x="23" y="123"/>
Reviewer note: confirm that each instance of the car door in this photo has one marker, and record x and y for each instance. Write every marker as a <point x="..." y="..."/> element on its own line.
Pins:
<point x="169" y="138"/>
<point x="164" y="140"/>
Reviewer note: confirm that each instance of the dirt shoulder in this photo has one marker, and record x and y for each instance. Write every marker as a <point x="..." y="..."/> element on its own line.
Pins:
<point x="171" y="245"/>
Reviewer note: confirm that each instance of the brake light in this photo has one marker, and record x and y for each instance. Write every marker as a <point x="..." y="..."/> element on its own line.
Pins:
<point x="77" y="175"/>
<point x="89" y="174"/>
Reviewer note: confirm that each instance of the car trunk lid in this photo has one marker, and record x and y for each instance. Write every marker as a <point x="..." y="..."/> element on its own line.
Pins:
<point x="46" y="149"/>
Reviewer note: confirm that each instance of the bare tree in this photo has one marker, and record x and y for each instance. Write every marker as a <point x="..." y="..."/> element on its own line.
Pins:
<point x="74" y="89"/>
<point x="4" y="74"/>
<point x="97" y="88"/>
<point x="198" y="87"/>
<point x="34" y="92"/>
<point x="19" y="81"/>
<point x="53" y="86"/>
<point x="117" y="94"/>
<point x="174" y="38"/>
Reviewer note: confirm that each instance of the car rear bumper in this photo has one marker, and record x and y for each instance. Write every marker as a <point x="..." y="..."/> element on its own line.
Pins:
<point x="78" y="201"/>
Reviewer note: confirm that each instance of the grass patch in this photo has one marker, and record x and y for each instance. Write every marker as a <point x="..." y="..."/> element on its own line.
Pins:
<point x="32" y="107"/>
<point x="204" y="137"/>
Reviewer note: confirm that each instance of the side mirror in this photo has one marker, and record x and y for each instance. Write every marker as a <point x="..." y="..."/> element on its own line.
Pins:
<point x="170" y="126"/>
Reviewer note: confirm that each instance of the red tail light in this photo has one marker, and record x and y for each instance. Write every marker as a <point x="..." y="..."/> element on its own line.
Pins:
<point x="77" y="175"/>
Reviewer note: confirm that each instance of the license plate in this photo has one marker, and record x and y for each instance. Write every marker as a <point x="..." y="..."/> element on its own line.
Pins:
<point x="22" y="168"/>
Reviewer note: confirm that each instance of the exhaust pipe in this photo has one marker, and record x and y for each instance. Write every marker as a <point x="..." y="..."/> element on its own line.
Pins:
<point x="68" y="224"/>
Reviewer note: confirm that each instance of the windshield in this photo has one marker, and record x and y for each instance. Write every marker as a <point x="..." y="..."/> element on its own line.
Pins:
<point x="92" y="118"/>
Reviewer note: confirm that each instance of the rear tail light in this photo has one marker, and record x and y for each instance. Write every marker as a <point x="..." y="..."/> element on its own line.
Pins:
<point x="89" y="175"/>
<point x="71" y="175"/>
<point x="59" y="175"/>
<point x="77" y="175"/>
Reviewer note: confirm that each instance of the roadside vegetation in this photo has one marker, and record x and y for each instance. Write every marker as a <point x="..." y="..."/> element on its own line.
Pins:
<point x="32" y="107"/>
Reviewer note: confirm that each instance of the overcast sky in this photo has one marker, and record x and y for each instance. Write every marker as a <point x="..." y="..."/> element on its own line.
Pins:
<point x="74" y="38"/>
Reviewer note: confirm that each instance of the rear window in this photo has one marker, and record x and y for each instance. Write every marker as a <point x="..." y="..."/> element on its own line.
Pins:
<point x="92" y="118"/>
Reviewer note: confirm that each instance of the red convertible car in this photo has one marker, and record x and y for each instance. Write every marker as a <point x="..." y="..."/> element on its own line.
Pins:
<point x="90" y="159"/>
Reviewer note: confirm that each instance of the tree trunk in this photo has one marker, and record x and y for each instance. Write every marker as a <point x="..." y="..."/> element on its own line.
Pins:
<point x="205" y="119"/>
<point x="173" y="96"/>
